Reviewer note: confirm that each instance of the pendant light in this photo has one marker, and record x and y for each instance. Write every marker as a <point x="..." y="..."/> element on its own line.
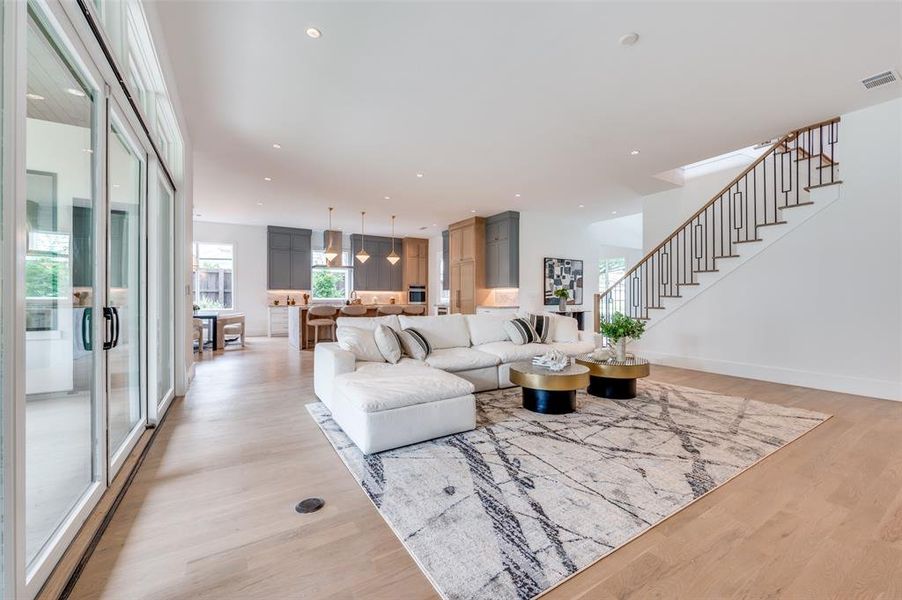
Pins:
<point x="362" y="256"/>
<point x="393" y="257"/>
<point x="330" y="252"/>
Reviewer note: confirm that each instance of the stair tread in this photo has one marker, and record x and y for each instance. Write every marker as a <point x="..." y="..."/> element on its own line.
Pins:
<point x="769" y="224"/>
<point x="748" y="241"/>
<point x="795" y="205"/>
<point x="822" y="185"/>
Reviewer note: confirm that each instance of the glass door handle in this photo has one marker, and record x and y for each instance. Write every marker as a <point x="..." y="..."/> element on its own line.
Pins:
<point x="115" y="326"/>
<point x="87" y="323"/>
<point x="107" y="327"/>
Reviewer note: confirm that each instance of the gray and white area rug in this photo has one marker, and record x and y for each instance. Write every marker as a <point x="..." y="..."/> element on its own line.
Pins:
<point x="525" y="500"/>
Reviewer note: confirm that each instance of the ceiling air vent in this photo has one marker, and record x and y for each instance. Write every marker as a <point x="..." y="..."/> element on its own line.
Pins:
<point x="879" y="79"/>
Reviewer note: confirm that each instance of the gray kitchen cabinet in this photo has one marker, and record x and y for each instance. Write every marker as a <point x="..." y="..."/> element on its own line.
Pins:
<point x="377" y="274"/>
<point x="502" y="250"/>
<point x="288" y="258"/>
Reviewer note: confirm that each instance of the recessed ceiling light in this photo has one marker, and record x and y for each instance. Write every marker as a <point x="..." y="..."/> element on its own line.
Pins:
<point x="75" y="92"/>
<point x="516" y="195"/>
<point x="434" y="225"/>
<point x="259" y="204"/>
<point x="629" y="39"/>
<point x="388" y="197"/>
<point x="634" y="152"/>
<point x="277" y="146"/>
<point x="31" y="96"/>
<point x="613" y="212"/>
<point x="420" y="175"/>
<point x="313" y="32"/>
<point x="582" y="205"/>
<point x="267" y="179"/>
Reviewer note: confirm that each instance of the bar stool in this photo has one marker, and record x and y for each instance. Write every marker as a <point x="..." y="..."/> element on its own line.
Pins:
<point x="414" y="310"/>
<point x="389" y="309"/>
<point x="353" y="310"/>
<point x="320" y="316"/>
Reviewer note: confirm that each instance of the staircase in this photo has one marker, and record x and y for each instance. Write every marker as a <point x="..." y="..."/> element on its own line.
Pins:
<point x="782" y="178"/>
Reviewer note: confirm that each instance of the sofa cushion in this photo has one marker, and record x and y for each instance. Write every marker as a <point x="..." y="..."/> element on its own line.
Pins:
<point x="414" y="343"/>
<point x="389" y="343"/>
<point x="387" y="387"/>
<point x="369" y="322"/>
<point x="563" y="329"/>
<point x="360" y="342"/>
<point x="446" y="331"/>
<point x="487" y="328"/>
<point x="460" y="359"/>
<point x="508" y="352"/>
<point x="574" y="348"/>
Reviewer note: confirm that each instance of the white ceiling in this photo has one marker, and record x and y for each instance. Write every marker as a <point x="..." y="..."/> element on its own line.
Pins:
<point x="493" y="99"/>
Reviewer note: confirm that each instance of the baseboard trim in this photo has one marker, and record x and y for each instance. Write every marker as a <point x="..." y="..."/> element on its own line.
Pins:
<point x="857" y="386"/>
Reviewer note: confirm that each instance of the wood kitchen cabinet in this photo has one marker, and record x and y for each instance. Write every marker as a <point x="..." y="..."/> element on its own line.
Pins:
<point x="416" y="262"/>
<point x="466" y="247"/>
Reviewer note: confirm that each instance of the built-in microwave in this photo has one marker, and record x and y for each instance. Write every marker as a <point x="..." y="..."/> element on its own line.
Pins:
<point x="416" y="294"/>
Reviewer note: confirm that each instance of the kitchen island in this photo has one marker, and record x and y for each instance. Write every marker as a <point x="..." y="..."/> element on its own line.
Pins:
<point x="298" y="336"/>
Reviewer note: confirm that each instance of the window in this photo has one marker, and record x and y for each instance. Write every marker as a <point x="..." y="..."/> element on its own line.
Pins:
<point x="610" y="271"/>
<point x="330" y="283"/>
<point x="214" y="276"/>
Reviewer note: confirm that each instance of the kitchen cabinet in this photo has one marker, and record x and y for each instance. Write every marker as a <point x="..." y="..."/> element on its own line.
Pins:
<point x="466" y="244"/>
<point x="377" y="274"/>
<point x="446" y="262"/>
<point x="416" y="262"/>
<point x="502" y="250"/>
<point x="288" y="258"/>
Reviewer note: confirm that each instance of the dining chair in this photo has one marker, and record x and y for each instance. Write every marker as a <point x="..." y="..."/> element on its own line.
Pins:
<point x="318" y="317"/>
<point x="389" y="309"/>
<point x="197" y="326"/>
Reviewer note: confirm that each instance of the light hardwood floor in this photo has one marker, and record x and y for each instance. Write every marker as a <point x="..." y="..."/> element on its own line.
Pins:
<point x="211" y="512"/>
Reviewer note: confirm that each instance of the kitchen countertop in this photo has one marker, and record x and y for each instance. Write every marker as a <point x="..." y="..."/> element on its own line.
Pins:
<point x="337" y="305"/>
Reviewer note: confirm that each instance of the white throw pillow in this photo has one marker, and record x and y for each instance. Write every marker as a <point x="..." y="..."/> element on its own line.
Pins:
<point x="485" y="329"/>
<point x="360" y="342"/>
<point x="446" y="331"/>
<point x="388" y="342"/>
<point x="563" y="329"/>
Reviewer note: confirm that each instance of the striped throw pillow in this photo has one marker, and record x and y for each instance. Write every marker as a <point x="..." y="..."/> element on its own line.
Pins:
<point x="542" y="325"/>
<point x="521" y="331"/>
<point x="415" y="344"/>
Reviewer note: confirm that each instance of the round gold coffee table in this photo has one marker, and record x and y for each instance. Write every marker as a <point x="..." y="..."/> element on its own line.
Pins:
<point x="613" y="379"/>
<point x="546" y="391"/>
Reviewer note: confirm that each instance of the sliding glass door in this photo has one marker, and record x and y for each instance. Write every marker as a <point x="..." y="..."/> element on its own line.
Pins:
<point x="89" y="304"/>
<point x="163" y="295"/>
<point x="63" y="390"/>
<point x="124" y="307"/>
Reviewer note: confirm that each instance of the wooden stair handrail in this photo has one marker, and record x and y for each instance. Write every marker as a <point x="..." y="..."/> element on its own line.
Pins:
<point x="786" y="138"/>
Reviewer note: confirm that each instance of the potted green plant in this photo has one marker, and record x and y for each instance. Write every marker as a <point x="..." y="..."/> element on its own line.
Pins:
<point x="619" y="330"/>
<point x="562" y="295"/>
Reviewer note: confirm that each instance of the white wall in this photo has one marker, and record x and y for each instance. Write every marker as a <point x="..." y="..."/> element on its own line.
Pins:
<point x="250" y="264"/>
<point x="665" y="211"/>
<point x="821" y="306"/>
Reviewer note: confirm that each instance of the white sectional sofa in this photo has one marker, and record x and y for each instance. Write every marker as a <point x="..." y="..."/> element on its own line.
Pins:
<point x="380" y="405"/>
